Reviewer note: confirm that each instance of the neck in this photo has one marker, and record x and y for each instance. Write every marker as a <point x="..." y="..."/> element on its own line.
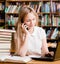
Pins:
<point x="31" y="30"/>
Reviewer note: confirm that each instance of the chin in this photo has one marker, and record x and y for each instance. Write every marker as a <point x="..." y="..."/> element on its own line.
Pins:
<point x="31" y="28"/>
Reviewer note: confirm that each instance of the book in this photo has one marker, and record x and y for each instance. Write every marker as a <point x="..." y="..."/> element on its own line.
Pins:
<point x="49" y="33"/>
<point x="5" y="39"/>
<point x="4" y="50"/>
<point x="5" y="33"/>
<point x="5" y="36"/>
<point x="5" y="45"/>
<point x="55" y="33"/>
<point x="7" y="30"/>
<point x="15" y="58"/>
<point x="14" y="8"/>
<point x="4" y="53"/>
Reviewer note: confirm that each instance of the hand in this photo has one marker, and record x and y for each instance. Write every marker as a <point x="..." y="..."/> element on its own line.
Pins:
<point x="24" y="28"/>
<point x="50" y="54"/>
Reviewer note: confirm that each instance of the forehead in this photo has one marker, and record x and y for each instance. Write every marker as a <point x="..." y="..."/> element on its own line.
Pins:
<point x="30" y="15"/>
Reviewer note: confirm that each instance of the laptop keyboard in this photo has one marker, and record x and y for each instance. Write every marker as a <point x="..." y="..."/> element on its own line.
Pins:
<point x="47" y="57"/>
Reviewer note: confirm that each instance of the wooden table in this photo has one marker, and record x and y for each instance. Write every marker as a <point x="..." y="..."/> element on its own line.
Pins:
<point x="32" y="62"/>
<point x="44" y="62"/>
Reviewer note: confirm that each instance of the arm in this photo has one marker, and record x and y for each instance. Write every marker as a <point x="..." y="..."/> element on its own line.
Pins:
<point x="20" y="49"/>
<point x="44" y="43"/>
<point x="44" y="47"/>
<point x="23" y="47"/>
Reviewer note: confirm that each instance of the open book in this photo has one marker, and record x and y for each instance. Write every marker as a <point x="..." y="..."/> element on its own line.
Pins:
<point x="10" y="58"/>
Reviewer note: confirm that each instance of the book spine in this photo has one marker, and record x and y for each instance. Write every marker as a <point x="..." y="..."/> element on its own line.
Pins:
<point x="5" y="45"/>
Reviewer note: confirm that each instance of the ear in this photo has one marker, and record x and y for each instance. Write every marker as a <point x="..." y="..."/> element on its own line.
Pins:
<point x="36" y="24"/>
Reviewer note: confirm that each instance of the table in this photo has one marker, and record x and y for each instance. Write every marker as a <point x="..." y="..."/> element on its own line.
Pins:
<point x="32" y="62"/>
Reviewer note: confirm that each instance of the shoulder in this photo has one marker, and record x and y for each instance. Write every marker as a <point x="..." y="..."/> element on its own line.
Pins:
<point x="39" y="29"/>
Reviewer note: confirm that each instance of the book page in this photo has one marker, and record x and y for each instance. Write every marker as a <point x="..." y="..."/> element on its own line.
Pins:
<point x="3" y="57"/>
<point x="15" y="58"/>
<point x="18" y="58"/>
<point x="34" y="56"/>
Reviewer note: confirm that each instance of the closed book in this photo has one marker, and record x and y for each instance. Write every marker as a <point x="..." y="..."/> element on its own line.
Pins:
<point x="5" y="45"/>
<point x="4" y="50"/>
<point x="4" y="53"/>
<point x="5" y="33"/>
<point x="5" y="42"/>
<point x="5" y="39"/>
<point x="55" y="33"/>
<point x="7" y="30"/>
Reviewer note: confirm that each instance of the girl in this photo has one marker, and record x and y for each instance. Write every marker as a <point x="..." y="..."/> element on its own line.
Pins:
<point x="29" y="38"/>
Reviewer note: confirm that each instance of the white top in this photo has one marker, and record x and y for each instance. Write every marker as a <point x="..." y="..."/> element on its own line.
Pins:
<point x="35" y="40"/>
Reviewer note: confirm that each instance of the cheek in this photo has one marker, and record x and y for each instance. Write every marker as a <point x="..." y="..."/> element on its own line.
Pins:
<point x="34" y="22"/>
<point x="27" y="23"/>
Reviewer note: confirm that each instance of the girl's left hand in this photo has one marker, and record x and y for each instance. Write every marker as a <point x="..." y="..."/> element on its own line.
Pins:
<point x="50" y="54"/>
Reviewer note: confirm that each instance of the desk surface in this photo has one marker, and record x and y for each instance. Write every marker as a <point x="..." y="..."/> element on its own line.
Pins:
<point x="33" y="62"/>
<point x="44" y="62"/>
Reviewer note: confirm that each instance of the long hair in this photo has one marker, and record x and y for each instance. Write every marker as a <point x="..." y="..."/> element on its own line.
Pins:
<point x="22" y="14"/>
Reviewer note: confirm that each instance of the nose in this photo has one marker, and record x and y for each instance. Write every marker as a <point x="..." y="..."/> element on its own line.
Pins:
<point x="31" y="22"/>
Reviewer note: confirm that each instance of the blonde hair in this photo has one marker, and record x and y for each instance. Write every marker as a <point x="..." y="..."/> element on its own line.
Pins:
<point x="22" y="14"/>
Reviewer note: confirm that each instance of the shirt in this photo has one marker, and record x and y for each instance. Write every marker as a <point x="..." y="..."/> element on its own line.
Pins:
<point x="35" y="40"/>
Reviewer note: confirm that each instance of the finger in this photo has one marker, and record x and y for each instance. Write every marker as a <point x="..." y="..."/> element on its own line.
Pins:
<point x="22" y="24"/>
<point x="25" y="26"/>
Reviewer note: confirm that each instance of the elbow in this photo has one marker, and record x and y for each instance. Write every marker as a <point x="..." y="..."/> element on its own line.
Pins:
<point x="22" y="54"/>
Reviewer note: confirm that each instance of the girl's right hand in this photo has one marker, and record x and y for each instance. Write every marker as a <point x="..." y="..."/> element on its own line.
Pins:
<point x="24" y="28"/>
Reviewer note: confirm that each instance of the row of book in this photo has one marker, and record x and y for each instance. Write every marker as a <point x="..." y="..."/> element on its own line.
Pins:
<point x="12" y="9"/>
<point x="46" y="20"/>
<point x="11" y="20"/>
<point x="55" y="20"/>
<point x="38" y="7"/>
<point x="52" y="33"/>
<point x="2" y="6"/>
<point x="55" y="7"/>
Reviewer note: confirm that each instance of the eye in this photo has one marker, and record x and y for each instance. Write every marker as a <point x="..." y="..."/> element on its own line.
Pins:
<point x="33" y="18"/>
<point x="28" y="20"/>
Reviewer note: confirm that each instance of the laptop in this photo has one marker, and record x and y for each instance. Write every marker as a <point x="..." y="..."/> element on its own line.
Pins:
<point x="48" y="57"/>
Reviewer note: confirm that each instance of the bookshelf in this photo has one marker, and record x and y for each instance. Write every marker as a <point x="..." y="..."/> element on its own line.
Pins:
<point x="2" y="14"/>
<point x="49" y="15"/>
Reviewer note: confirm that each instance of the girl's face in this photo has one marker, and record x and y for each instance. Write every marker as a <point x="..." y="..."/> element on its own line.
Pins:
<point x="30" y="20"/>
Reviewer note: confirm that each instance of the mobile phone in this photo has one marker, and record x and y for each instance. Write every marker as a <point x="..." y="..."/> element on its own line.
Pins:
<point x="26" y="26"/>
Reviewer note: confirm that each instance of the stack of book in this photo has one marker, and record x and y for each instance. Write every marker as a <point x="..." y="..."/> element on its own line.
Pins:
<point x="5" y="41"/>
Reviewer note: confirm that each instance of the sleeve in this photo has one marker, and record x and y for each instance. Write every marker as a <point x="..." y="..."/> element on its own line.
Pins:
<point x="43" y="33"/>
